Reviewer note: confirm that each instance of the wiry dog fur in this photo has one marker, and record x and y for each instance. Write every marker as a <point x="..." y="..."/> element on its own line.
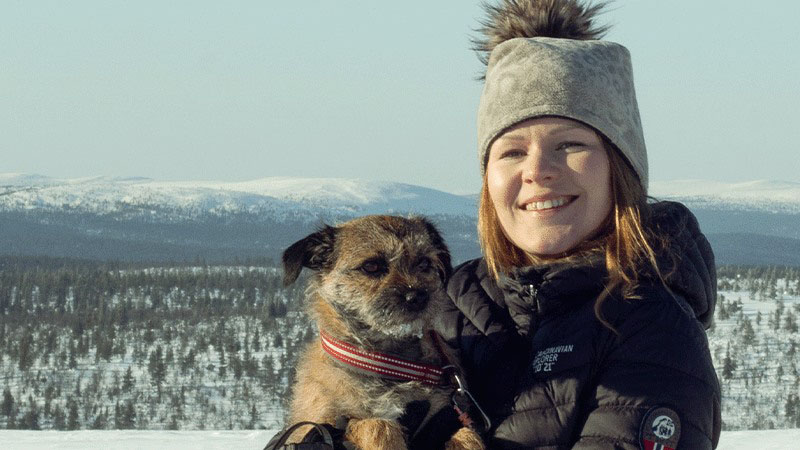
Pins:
<point x="378" y="284"/>
<point x="566" y="19"/>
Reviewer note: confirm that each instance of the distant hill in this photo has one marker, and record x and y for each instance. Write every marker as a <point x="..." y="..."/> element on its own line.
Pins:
<point x="140" y="219"/>
<point x="756" y="222"/>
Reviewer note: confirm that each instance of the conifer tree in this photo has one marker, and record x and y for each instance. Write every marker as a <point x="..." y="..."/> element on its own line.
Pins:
<point x="128" y="381"/>
<point x="59" y="420"/>
<point x="49" y="392"/>
<point x="170" y="356"/>
<point x="792" y="410"/>
<point x="157" y="368"/>
<point x="127" y="417"/>
<point x="11" y="422"/>
<point x="728" y="365"/>
<point x="101" y="420"/>
<point x="73" y="360"/>
<point x="748" y="333"/>
<point x="253" y="417"/>
<point x="236" y="365"/>
<point x="790" y="323"/>
<point x="25" y="351"/>
<point x="722" y="310"/>
<point x="30" y="421"/>
<point x="8" y="403"/>
<point x="222" y="366"/>
<point x="73" y="418"/>
<point x="257" y="340"/>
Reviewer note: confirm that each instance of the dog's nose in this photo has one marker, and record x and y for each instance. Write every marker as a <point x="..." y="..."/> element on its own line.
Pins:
<point x="417" y="298"/>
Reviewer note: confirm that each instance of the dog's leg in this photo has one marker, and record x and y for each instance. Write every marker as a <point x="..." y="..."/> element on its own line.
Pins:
<point x="376" y="434"/>
<point x="465" y="439"/>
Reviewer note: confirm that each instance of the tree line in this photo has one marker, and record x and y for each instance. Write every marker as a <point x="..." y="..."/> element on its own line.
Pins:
<point x="112" y="346"/>
<point x="91" y="345"/>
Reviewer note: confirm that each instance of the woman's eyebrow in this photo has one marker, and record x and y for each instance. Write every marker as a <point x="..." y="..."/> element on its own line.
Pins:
<point x="513" y="137"/>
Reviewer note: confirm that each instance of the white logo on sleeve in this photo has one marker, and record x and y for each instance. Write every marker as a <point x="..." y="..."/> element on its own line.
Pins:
<point x="663" y="427"/>
<point x="660" y="429"/>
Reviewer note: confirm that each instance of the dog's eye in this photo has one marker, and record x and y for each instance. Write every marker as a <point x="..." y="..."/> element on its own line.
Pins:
<point x="424" y="265"/>
<point x="373" y="267"/>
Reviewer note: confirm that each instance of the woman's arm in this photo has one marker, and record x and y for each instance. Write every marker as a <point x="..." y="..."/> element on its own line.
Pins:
<point x="656" y="384"/>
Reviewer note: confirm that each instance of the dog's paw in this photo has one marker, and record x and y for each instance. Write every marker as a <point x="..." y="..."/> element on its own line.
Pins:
<point x="376" y="434"/>
<point x="465" y="439"/>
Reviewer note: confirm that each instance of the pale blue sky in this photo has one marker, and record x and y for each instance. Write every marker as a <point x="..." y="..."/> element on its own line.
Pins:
<point x="379" y="90"/>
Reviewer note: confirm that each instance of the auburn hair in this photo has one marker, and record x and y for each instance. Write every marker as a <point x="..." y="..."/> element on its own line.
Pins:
<point x="625" y="237"/>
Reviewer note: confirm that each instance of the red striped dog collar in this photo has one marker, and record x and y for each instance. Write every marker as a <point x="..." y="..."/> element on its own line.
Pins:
<point x="387" y="366"/>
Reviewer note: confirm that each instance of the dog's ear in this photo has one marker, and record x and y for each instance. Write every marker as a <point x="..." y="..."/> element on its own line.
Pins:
<point x="443" y="263"/>
<point x="313" y="251"/>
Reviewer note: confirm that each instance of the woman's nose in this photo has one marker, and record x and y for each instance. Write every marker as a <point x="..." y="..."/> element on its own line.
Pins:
<point x="538" y="168"/>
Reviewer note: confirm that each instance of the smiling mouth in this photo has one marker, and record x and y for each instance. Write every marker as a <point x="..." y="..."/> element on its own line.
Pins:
<point x="548" y="204"/>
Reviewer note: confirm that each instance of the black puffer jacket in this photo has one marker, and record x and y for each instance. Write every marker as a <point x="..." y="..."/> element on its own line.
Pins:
<point x="551" y="375"/>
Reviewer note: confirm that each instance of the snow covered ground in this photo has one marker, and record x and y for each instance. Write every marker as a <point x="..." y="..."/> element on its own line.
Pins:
<point x="109" y="440"/>
<point x="256" y="440"/>
<point x="760" y="440"/>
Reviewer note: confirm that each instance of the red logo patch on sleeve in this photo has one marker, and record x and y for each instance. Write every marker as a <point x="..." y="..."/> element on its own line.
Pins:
<point x="660" y="429"/>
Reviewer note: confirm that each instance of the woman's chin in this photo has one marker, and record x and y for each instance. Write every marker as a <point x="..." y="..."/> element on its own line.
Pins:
<point x="549" y="249"/>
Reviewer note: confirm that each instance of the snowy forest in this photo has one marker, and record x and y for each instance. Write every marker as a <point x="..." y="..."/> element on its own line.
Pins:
<point x="88" y="345"/>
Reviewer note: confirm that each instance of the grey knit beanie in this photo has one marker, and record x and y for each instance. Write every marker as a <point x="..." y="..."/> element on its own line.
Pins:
<point x="567" y="75"/>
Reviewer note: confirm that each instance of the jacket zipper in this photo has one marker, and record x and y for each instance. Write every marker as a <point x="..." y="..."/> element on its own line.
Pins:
<point x="533" y="292"/>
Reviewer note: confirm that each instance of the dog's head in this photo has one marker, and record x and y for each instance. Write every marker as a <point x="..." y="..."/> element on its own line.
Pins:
<point x="385" y="272"/>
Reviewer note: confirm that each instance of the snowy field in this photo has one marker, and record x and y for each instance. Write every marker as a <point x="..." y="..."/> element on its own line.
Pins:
<point x="756" y="332"/>
<point x="256" y="440"/>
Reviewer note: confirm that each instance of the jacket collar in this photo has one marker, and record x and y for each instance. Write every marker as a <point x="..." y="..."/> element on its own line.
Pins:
<point x="537" y="291"/>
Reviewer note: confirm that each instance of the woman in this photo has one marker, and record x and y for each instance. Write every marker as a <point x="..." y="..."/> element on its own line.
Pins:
<point x="583" y="324"/>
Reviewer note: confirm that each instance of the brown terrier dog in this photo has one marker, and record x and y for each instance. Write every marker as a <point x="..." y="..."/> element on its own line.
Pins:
<point x="377" y="288"/>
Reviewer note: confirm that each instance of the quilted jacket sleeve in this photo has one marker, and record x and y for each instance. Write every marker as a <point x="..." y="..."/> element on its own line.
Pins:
<point x="660" y="359"/>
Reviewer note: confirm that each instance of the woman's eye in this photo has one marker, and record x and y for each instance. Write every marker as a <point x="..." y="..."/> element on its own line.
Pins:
<point x="512" y="153"/>
<point x="570" y="146"/>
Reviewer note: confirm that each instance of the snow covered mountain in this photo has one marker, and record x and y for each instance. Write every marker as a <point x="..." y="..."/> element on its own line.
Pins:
<point x="138" y="218"/>
<point x="104" y="195"/>
<point x="339" y="195"/>
<point x="760" y="195"/>
<point x="145" y="219"/>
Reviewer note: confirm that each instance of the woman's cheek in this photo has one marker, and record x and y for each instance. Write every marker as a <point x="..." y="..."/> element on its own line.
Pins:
<point x="502" y="187"/>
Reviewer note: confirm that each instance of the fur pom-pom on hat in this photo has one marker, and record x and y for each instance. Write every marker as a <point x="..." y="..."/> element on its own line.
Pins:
<point x="565" y="19"/>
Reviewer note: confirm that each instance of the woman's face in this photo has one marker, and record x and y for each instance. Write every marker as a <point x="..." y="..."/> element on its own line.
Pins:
<point x="549" y="180"/>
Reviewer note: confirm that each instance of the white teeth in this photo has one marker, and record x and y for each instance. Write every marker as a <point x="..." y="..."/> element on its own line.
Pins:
<point x="547" y="204"/>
